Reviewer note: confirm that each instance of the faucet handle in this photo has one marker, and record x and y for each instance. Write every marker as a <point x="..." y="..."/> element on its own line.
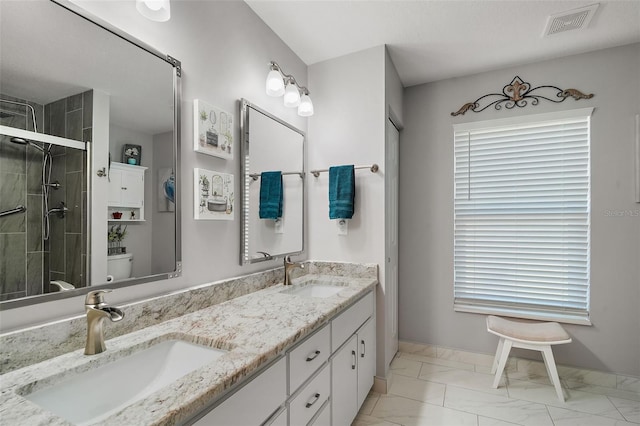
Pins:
<point x="96" y="297"/>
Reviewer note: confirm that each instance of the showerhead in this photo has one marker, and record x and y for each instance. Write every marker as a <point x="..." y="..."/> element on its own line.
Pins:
<point x="22" y="141"/>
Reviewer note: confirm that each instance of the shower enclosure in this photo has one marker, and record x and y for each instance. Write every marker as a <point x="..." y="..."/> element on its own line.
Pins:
<point x="43" y="193"/>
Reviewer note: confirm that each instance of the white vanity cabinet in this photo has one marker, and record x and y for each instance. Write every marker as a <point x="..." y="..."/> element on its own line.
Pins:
<point x="353" y="364"/>
<point x="366" y="337"/>
<point x="254" y="403"/>
<point x="308" y="357"/>
<point x="309" y="376"/>
<point x="344" y="383"/>
<point x="126" y="192"/>
<point x="311" y="398"/>
<point x="321" y="381"/>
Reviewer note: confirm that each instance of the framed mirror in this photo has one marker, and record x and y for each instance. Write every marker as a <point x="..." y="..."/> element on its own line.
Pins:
<point x="269" y="144"/>
<point x="91" y="132"/>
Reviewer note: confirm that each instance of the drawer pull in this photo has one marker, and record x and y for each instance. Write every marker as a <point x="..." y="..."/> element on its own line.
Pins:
<point x="313" y="400"/>
<point x="314" y="356"/>
<point x="364" y="348"/>
<point x="353" y="366"/>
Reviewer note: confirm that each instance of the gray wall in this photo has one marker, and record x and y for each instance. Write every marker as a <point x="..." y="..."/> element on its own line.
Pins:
<point x="426" y="206"/>
<point x="162" y="259"/>
<point x="352" y="95"/>
<point x="348" y="127"/>
<point x="139" y="234"/>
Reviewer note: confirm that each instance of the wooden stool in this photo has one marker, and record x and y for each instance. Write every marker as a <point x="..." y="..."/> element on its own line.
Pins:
<point x="536" y="336"/>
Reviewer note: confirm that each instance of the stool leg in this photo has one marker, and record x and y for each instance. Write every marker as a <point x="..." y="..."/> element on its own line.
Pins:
<point x="494" y="366"/>
<point x="506" y="348"/>
<point x="550" y="363"/>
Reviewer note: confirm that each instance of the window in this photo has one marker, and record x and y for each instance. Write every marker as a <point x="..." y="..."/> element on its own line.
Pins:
<point x="521" y="216"/>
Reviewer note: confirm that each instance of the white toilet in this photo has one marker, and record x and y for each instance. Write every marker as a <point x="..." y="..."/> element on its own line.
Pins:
<point x="119" y="266"/>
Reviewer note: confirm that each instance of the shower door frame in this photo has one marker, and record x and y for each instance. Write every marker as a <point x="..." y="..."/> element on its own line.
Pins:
<point x="68" y="143"/>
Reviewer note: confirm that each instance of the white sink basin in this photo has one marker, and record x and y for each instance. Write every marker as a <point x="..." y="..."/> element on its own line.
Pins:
<point x="94" y="395"/>
<point x="315" y="290"/>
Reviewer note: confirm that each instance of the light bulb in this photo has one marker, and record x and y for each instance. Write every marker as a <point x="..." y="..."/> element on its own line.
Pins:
<point x="275" y="84"/>
<point x="291" y="95"/>
<point x="305" y="109"/>
<point x="156" y="10"/>
<point x="153" y="4"/>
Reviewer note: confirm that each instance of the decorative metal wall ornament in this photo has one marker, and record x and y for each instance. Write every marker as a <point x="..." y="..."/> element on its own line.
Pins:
<point x="518" y="94"/>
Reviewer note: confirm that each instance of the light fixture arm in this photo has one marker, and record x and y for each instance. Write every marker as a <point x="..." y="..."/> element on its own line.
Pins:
<point x="288" y="77"/>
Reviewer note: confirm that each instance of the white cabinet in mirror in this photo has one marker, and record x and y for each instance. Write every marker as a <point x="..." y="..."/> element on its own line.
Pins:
<point x="126" y="193"/>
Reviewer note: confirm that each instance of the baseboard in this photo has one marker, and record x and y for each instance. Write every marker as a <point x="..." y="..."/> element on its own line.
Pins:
<point x="380" y="385"/>
<point x="482" y="363"/>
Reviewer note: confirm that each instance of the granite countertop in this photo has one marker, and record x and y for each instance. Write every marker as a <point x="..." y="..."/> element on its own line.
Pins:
<point x="254" y="328"/>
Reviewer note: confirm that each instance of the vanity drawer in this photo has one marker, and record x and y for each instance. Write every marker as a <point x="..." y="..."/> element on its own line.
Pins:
<point x="323" y="418"/>
<point x="305" y="359"/>
<point x="263" y="394"/>
<point x="304" y="406"/>
<point x="350" y="320"/>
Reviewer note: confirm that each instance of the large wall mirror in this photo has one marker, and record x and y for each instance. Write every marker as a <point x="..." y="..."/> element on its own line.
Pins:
<point x="270" y="144"/>
<point x="88" y="155"/>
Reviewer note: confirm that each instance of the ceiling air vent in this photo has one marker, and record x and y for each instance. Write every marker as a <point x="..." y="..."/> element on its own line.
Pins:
<point x="574" y="19"/>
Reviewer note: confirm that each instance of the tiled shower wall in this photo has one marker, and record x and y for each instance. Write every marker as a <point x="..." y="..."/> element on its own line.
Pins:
<point x="27" y="263"/>
<point x="21" y="249"/>
<point x="69" y="118"/>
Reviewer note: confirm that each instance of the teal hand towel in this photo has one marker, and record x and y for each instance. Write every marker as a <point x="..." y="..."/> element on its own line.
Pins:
<point x="342" y="192"/>
<point x="270" y="195"/>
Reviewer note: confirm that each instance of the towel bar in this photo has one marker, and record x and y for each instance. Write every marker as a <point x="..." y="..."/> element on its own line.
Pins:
<point x="374" y="168"/>
<point x="256" y="176"/>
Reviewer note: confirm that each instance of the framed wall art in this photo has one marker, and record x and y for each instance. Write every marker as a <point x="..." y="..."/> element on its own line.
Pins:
<point x="212" y="130"/>
<point x="213" y="195"/>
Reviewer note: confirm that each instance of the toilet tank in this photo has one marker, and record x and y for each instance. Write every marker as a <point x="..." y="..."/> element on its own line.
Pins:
<point x="119" y="266"/>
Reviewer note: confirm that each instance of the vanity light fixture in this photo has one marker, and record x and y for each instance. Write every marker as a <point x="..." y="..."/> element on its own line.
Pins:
<point x="305" y="109"/>
<point x="275" y="84"/>
<point x="294" y="94"/>
<point x="156" y="10"/>
<point x="291" y="95"/>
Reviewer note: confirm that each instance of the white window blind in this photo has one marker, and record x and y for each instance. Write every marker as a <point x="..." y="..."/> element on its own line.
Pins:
<point x="521" y="216"/>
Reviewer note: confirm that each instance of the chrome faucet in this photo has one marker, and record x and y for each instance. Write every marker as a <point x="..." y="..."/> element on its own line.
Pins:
<point x="288" y="266"/>
<point x="97" y="310"/>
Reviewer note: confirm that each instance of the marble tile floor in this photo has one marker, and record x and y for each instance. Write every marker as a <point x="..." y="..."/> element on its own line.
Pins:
<point x="432" y="391"/>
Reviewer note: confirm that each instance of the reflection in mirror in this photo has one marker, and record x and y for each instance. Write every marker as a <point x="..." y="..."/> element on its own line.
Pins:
<point x="43" y="224"/>
<point x="270" y="144"/>
<point x="117" y="223"/>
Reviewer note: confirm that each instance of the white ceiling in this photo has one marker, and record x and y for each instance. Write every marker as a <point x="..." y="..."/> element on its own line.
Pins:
<point x="430" y="40"/>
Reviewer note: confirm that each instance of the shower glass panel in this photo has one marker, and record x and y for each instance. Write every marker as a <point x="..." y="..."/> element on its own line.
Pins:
<point x="43" y="218"/>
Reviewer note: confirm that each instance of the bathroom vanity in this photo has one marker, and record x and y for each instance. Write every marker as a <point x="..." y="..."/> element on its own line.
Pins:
<point x="296" y="355"/>
<point x="325" y="377"/>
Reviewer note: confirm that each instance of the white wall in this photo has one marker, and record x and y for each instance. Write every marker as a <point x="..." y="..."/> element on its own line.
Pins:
<point x="426" y="206"/>
<point x="348" y="127"/>
<point x="225" y="51"/>
<point x="138" y="238"/>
